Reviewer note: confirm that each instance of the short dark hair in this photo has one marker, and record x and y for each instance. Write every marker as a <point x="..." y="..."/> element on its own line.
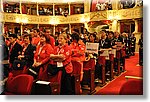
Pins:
<point x="37" y="29"/>
<point x="47" y="37"/>
<point x="75" y="36"/>
<point x="28" y="35"/>
<point x="13" y="35"/>
<point x="111" y="32"/>
<point x="76" y="30"/>
<point x="94" y="35"/>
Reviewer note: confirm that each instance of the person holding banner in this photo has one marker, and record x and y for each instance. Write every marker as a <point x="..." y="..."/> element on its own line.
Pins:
<point x="92" y="47"/>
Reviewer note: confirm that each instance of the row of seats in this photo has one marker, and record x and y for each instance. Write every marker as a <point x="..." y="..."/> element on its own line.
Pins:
<point x="88" y="78"/>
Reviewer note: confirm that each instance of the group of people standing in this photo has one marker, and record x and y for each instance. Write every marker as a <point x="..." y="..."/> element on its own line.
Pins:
<point x="38" y="49"/>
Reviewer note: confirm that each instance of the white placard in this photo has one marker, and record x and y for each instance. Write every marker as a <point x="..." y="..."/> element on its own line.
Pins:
<point x="106" y="54"/>
<point x="92" y="47"/>
<point x="43" y="82"/>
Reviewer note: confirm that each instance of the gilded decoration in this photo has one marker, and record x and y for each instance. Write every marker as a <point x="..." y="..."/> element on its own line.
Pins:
<point x="132" y="13"/>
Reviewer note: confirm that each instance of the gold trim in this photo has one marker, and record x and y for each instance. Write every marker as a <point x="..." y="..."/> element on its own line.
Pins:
<point x="132" y="13"/>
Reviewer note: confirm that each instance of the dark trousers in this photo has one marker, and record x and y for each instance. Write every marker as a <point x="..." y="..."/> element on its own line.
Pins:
<point x="66" y="86"/>
<point x="108" y="65"/>
<point x="98" y="71"/>
<point x="6" y="70"/>
<point x="132" y="50"/>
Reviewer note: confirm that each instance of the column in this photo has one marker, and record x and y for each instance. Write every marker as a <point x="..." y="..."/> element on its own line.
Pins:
<point x="115" y="4"/>
<point x="2" y="9"/>
<point x="137" y="35"/>
<point x="118" y="28"/>
<point x="21" y="29"/>
<point x="114" y="25"/>
<point x="69" y="9"/>
<point x="54" y="30"/>
<point x="2" y="27"/>
<point x="53" y="9"/>
<point x="87" y="5"/>
<point x="70" y="28"/>
<point x="136" y="26"/>
<point x="86" y="26"/>
<point x="37" y="8"/>
<point x="38" y="26"/>
<point x="20" y="7"/>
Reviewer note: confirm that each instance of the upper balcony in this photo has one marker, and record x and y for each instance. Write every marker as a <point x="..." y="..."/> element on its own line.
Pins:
<point x="64" y="13"/>
<point x="132" y="13"/>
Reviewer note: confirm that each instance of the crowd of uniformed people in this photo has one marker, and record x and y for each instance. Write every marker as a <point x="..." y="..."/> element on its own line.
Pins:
<point x="35" y="49"/>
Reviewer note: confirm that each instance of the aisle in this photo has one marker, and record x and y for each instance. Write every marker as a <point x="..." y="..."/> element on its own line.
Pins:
<point x="132" y="69"/>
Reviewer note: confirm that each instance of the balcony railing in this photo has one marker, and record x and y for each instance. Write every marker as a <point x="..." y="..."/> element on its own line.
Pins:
<point x="131" y="13"/>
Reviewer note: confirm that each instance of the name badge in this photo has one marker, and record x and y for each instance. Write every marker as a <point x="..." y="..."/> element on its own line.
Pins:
<point x="59" y="64"/>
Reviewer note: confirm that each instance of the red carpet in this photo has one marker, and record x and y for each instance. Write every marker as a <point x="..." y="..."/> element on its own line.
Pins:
<point x="132" y="69"/>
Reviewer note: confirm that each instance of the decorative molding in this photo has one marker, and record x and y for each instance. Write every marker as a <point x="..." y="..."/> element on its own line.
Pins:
<point x="132" y="13"/>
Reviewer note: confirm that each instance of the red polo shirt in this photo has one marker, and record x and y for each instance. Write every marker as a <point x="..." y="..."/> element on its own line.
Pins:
<point x="66" y="51"/>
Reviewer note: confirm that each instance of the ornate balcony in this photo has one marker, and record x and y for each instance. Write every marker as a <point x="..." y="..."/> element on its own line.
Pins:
<point x="132" y="13"/>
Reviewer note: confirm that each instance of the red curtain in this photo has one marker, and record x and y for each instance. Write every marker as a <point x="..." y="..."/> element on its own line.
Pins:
<point x="121" y="27"/>
<point x="140" y="26"/>
<point x="93" y="5"/>
<point x="72" y="10"/>
<point x="124" y="27"/>
<point x="24" y="10"/>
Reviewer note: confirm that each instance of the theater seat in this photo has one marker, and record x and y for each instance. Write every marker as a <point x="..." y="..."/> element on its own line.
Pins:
<point x="132" y="87"/>
<point x="76" y="77"/>
<point x="19" y="85"/>
<point x="102" y="62"/>
<point x="55" y="83"/>
<point x="89" y="72"/>
<point x="55" y="80"/>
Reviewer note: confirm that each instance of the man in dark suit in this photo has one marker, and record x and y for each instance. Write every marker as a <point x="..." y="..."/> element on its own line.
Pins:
<point x="140" y="43"/>
<point x="14" y="49"/>
<point x="133" y="43"/>
<point x="103" y="42"/>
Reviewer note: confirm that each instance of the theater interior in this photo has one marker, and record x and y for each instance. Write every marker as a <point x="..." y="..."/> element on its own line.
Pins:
<point x="114" y="67"/>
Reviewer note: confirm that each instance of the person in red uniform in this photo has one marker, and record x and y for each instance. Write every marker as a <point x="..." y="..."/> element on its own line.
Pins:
<point x="52" y="40"/>
<point x="78" y="51"/>
<point x="36" y="37"/>
<point x="62" y="58"/>
<point x="41" y="56"/>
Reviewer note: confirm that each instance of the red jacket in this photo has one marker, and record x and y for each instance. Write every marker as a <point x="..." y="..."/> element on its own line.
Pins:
<point x="78" y="50"/>
<point x="66" y="51"/>
<point x="43" y="55"/>
<point x="35" y="40"/>
<point x="52" y="41"/>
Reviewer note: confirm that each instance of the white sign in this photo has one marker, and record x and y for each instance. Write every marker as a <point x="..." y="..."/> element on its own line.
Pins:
<point x="92" y="47"/>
